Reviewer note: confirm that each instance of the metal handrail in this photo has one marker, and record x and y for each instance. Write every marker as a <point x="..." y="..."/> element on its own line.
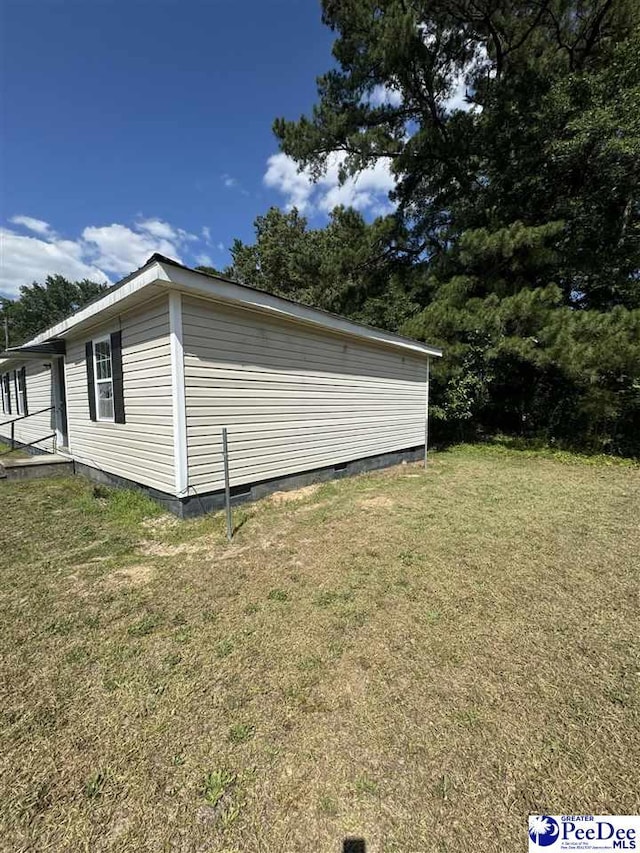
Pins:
<point x="14" y="421"/>
<point x="29" y="444"/>
<point x="28" y="415"/>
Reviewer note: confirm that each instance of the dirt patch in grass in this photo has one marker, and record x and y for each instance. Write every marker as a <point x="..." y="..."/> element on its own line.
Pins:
<point x="314" y="507"/>
<point x="154" y="548"/>
<point x="377" y="502"/>
<point x="423" y="678"/>
<point x="138" y="575"/>
<point x="294" y="494"/>
<point x="161" y="523"/>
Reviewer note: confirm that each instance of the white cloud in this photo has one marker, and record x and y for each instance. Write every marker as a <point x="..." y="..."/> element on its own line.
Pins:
<point x="157" y="228"/>
<point x="367" y="191"/>
<point x="24" y="260"/>
<point x="282" y="174"/>
<point x="206" y="234"/>
<point x="163" y="231"/>
<point x="38" y="226"/>
<point x="101" y="253"/>
<point x="384" y="95"/>
<point x="121" y="250"/>
<point x="204" y="261"/>
<point x="220" y="247"/>
<point x="232" y="183"/>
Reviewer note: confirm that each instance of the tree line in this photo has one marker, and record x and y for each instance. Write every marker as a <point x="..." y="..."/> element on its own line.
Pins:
<point x="515" y="242"/>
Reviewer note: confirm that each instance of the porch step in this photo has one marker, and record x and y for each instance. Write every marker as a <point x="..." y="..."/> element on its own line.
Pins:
<point x="30" y="467"/>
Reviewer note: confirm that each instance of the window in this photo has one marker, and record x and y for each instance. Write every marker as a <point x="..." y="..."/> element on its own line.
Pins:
<point x="103" y="370"/>
<point x="21" y="392"/>
<point x="105" y="387"/>
<point x="6" y="399"/>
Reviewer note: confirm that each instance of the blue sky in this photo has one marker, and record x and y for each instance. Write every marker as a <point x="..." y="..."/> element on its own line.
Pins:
<point x="138" y="126"/>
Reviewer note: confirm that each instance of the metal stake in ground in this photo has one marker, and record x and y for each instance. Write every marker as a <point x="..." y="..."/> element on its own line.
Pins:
<point x="227" y="489"/>
<point x="426" y="419"/>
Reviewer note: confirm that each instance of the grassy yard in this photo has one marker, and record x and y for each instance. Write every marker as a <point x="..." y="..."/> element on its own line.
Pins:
<point x="418" y="659"/>
<point x="7" y="453"/>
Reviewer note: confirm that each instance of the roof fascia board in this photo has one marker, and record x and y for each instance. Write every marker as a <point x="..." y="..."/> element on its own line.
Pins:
<point x="226" y="291"/>
<point x="146" y="276"/>
<point x="55" y="347"/>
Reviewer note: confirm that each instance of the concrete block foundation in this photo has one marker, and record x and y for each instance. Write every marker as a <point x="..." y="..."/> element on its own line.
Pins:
<point x="195" y="505"/>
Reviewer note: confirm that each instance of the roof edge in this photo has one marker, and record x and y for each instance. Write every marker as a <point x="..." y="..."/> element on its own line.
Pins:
<point x="305" y="313"/>
<point x="158" y="269"/>
<point x="125" y="287"/>
<point x="55" y="346"/>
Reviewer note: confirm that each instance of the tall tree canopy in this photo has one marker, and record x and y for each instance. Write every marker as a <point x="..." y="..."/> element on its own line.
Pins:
<point x="552" y="90"/>
<point x="521" y="205"/>
<point x="43" y="305"/>
<point x="346" y="267"/>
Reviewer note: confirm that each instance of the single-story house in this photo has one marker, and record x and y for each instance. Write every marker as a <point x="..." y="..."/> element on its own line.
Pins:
<point x="137" y="386"/>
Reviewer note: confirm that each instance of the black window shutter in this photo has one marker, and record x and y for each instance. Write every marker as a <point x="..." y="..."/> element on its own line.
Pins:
<point x="23" y="388"/>
<point x="116" y="370"/>
<point x="91" y="386"/>
<point x="6" y="396"/>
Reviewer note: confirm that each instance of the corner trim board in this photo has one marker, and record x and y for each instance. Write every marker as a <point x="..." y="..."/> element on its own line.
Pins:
<point x="426" y="416"/>
<point x="65" y="370"/>
<point x="180" y="460"/>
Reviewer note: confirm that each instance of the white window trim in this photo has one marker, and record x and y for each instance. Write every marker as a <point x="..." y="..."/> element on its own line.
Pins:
<point x="95" y="341"/>
<point x="19" y="393"/>
<point x="6" y="393"/>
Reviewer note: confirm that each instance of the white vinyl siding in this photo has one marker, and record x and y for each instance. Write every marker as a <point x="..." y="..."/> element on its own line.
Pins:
<point x="293" y="397"/>
<point x="142" y="448"/>
<point x="39" y="396"/>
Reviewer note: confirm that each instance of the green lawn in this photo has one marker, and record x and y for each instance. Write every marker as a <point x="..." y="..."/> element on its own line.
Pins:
<point x="417" y="658"/>
<point x="7" y="453"/>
